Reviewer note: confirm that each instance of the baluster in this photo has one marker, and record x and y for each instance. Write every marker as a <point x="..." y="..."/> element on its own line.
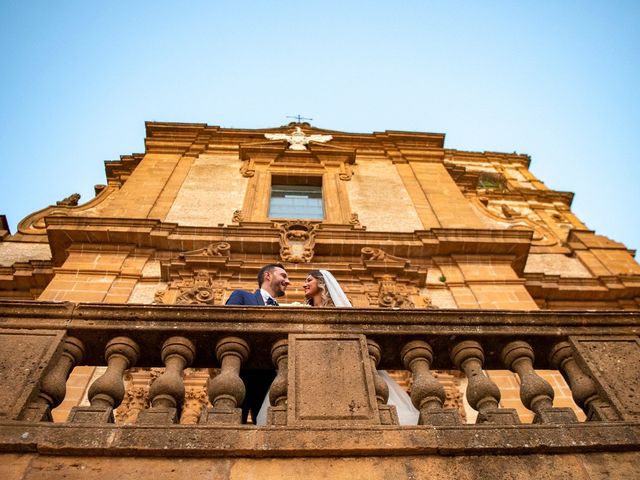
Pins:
<point x="277" y="412"/>
<point x="226" y="390"/>
<point x="107" y="392"/>
<point x="582" y="387"/>
<point x="388" y="413"/>
<point x="482" y="393"/>
<point x="167" y="392"/>
<point x="427" y="394"/>
<point x="535" y="392"/>
<point x="53" y="386"/>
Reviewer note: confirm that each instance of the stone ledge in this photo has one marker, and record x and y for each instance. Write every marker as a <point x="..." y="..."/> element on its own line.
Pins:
<point x="248" y="441"/>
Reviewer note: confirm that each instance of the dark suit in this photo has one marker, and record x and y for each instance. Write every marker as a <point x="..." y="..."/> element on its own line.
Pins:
<point x="256" y="381"/>
<point x="240" y="297"/>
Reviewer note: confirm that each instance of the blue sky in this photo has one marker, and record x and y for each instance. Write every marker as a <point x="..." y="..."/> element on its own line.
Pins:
<point x="555" y="79"/>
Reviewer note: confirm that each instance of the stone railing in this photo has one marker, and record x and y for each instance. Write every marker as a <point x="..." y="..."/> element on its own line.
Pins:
<point x="327" y="363"/>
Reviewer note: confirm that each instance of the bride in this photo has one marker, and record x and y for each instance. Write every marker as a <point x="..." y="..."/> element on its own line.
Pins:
<point x="321" y="289"/>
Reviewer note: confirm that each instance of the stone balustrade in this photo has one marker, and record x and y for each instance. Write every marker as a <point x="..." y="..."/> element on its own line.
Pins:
<point x="325" y="362"/>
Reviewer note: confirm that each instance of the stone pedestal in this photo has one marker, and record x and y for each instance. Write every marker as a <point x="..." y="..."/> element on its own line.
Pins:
<point x="440" y="418"/>
<point x="221" y="416"/>
<point x="330" y="381"/>
<point x="555" y="415"/>
<point x="89" y="414"/>
<point x="158" y="416"/>
<point x="37" y="412"/>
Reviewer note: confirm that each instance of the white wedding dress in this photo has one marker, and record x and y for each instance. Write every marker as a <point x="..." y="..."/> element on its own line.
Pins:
<point x="407" y="413"/>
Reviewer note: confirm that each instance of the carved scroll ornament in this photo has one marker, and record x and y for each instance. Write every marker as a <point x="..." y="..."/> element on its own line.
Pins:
<point x="216" y="249"/>
<point x="393" y="295"/>
<point x="70" y="201"/>
<point x="248" y="169"/>
<point x="237" y="216"/>
<point x="297" y="240"/>
<point x="378" y="255"/>
<point x="199" y="291"/>
<point x="355" y="220"/>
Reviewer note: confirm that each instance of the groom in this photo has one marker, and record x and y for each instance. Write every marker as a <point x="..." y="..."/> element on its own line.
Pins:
<point x="273" y="281"/>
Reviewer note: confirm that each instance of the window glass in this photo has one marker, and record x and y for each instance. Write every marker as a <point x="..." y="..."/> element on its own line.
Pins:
<point x="296" y="201"/>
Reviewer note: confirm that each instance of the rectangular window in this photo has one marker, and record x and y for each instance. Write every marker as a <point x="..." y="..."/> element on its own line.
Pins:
<point x="296" y="201"/>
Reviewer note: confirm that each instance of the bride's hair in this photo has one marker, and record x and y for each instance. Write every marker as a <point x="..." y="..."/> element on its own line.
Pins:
<point x="324" y="292"/>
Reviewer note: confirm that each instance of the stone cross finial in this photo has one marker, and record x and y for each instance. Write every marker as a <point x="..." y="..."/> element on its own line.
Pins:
<point x="298" y="139"/>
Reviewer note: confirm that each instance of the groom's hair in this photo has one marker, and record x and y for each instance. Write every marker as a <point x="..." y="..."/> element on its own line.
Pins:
<point x="268" y="268"/>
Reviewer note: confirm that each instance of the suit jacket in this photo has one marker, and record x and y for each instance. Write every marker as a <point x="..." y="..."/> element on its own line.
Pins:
<point x="240" y="297"/>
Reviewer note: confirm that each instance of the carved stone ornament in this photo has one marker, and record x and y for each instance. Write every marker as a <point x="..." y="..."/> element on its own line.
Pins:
<point x="70" y="201"/>
<point x="195" y="400"/>
<point x="379" y="255"/>
<point x="298" y="140"/>
<point x="522" y="218"/>
<point x="297" y="240"/>
<point x="136" y="399"/>
<point x="346" y="172"/>
<point x="248" y="169"/>
<point x="354" y="220"/>
<point x="216" y="249"/>
<point x="199" y="291"/>
<point x="393" y="295"/>
<point x="158" y="297"/>
<point x="509" y="212"/>
<point x="237" y="216"/>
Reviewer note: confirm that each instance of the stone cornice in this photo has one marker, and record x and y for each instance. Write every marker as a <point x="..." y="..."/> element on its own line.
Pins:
<point x="25" y="280"/>
<point x="528" y="194"/>
<point x="491" y="157"/>
<point x="555" y="287"/>
<point x="248" y="441"/>
<point x="258" y="237"/>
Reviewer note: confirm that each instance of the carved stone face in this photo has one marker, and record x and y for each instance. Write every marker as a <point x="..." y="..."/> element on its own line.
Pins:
<point x="277" y="282"/>
<point x="310" y="287"/>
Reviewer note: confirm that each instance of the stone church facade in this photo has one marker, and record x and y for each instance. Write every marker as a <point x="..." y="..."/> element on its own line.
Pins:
<point x="513" y="326"/>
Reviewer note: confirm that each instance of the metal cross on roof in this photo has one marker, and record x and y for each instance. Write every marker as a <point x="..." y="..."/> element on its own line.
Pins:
<point x="299" y="118"/>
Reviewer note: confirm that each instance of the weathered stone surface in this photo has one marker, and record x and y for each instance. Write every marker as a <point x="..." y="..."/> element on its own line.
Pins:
<point x="212" y="180"/>
<point x="12" y="252"/>
<point x="399" y="214"/>
<point x="24" y="357"/>
<point x="330" y="381"/>
<point x="613" y="363"/>
<point x="612" y="466"/>
<point x="235" y="441"/>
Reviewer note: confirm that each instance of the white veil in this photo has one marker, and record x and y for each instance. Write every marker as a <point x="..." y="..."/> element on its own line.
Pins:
<point x="335" y="290"/>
